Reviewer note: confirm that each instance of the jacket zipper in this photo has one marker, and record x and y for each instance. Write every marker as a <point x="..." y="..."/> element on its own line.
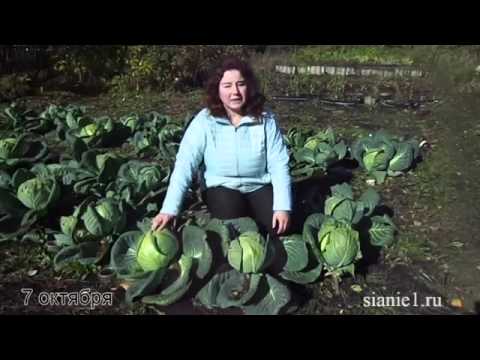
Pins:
<point x="236" y="151"/>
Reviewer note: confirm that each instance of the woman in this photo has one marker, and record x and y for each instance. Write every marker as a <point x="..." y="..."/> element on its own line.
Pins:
<point x="242" y="154"/>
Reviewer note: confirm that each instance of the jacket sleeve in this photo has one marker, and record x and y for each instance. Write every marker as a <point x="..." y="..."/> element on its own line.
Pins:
<point x="189" y="157"/>
<point x="277" y="166"/>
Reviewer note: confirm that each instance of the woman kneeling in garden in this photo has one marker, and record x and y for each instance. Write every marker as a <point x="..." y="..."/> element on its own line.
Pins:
<point x="241" y="152"/>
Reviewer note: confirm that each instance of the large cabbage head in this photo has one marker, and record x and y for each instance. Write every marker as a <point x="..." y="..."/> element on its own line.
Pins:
<point x="89" y="130"/>
<point x="7" y="148"/>
<point x="248" y="253"/>
<point x="156" y="249"/>
<point x="339" y="244"/>
<point x="38" y="193"/>
<point x="376" y="158"/>
<point x="341" y="208"/>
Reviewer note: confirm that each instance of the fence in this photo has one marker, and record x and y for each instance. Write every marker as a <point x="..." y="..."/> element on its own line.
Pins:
<point x="385" y="71"/>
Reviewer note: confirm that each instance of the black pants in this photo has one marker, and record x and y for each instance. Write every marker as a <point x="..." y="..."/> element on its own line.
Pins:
<point x="225" y="204"/>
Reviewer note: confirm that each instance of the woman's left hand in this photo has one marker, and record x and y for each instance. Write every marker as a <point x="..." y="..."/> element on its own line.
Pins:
<point x="281" y="221"/>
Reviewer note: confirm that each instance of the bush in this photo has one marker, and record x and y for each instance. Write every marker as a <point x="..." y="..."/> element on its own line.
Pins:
<point x="127" y="68"/>
<point x="170" y="66"/>
<point x="88" y="66"/>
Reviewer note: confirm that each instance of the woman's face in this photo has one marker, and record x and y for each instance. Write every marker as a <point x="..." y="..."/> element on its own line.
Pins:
<point x="233" y="91"/>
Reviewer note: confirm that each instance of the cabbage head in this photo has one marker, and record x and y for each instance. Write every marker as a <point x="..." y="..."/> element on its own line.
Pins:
<point x="89" y="130"/>
<point x="156" y="249"/>
<point x="7" y="148"/>
<point x="248" y="253"/>
<point x="312" y="144"/>
<point x="38" y="193"/>
<point x="339" y="244"/>
<point x="376" y="158"/>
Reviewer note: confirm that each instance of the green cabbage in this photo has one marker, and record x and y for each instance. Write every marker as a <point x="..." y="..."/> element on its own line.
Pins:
<point x="38" y="193"/>
<point x="339" y="244"/>
<point x="7" y="148"/>
<point x="156" y="249"/>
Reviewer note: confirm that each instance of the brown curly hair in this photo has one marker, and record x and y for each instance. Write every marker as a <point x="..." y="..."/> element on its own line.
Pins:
<point x="255" y="100"/>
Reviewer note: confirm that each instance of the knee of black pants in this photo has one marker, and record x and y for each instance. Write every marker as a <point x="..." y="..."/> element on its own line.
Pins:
<point x="261" y="207"/>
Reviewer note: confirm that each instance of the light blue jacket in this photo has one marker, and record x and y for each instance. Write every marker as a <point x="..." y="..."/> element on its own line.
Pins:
<point x="243" y="158"/>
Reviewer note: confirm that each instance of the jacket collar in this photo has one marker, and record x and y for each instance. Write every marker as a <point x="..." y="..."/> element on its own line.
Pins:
<point x="244" y="120"/>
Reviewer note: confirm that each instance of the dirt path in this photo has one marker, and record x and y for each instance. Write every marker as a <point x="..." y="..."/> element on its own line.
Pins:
<point x="460" y="223"/>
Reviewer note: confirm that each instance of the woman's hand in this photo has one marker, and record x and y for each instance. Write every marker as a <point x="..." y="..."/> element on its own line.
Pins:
<point x="281" y="221"/>
<point x="160" y="221"/>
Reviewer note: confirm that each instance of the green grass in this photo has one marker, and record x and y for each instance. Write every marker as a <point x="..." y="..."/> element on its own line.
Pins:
<point x="409" y="246"/>
<point x="357" y="54"/>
